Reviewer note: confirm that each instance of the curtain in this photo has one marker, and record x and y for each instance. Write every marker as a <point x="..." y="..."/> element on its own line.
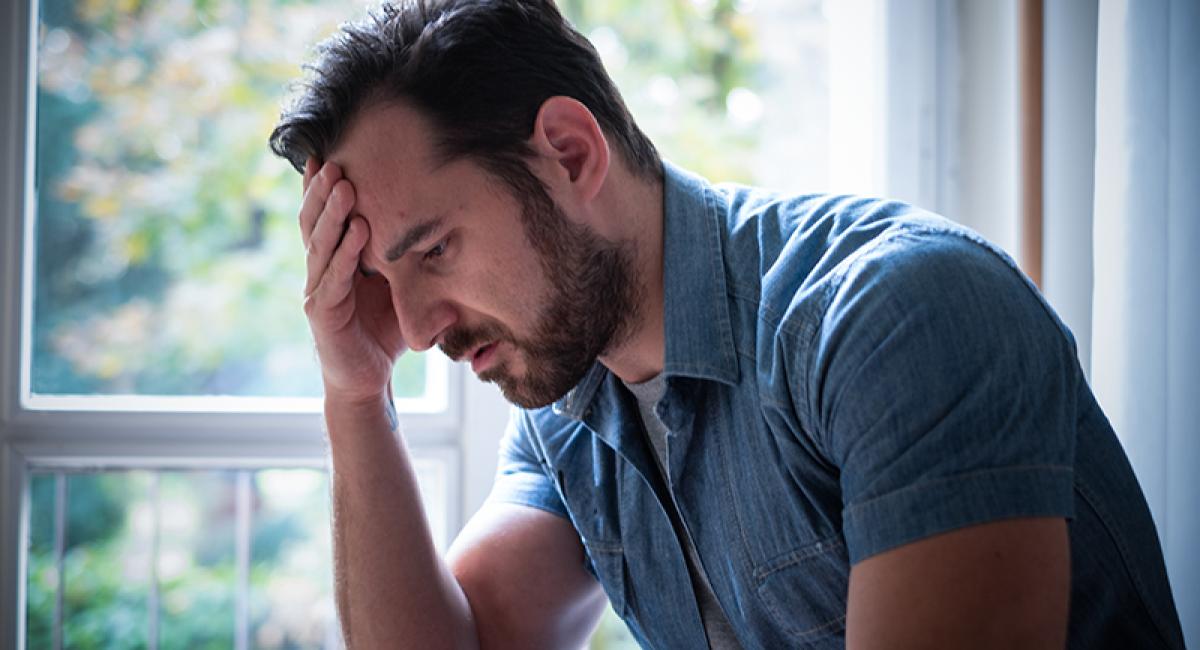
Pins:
<point x="1146" y="301"/>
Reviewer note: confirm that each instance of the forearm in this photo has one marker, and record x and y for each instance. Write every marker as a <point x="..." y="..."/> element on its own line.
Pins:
<point x="393" y="589"/>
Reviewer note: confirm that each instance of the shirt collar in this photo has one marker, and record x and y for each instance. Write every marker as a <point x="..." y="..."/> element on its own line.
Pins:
<point x="699" y="335"/>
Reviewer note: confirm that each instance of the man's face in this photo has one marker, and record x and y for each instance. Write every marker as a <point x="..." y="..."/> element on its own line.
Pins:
<point x="510" y="284"/>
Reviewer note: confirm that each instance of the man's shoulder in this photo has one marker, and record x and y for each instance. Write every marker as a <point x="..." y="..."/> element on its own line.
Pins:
<point x="785" y="255"/>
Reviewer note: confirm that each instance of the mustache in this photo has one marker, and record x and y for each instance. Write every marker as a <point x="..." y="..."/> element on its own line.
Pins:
<point x="458" y="342"/>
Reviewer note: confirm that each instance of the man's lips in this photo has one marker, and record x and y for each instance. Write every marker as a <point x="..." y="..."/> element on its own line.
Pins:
<point x="481" y="358"/>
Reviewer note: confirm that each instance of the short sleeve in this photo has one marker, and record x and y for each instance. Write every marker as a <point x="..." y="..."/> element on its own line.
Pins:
<point x="945" y="391"/>
<point x="521" y="476"/>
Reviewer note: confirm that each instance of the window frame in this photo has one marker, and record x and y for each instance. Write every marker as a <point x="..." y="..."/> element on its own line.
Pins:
<point x="14" y="498"/>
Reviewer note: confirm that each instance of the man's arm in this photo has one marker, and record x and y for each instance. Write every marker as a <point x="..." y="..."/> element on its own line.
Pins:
<point x="393" y="590"/>
<point x="514" y="578"/>
<point x="944" y="390"/>
<point x="523" y="571"/>
<point x="1004" y="584"/>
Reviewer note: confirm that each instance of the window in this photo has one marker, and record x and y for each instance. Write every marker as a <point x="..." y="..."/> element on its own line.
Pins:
<point x="160" y="442"/>
<point x="208" y="556"/>
<point x="161" y="437"/>
<point x="189" y="558"/>
<point x="164" y="246"/>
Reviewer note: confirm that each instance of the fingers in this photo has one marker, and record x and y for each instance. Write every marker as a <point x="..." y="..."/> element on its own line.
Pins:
<point x="316" y="194"/>
<point x="327" y="236"/>
<point x="337" y="281"/>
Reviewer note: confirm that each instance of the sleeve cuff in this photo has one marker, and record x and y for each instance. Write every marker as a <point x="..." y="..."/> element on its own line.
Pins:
<point x="534" y="490"/>
<point x="926" y="509"/>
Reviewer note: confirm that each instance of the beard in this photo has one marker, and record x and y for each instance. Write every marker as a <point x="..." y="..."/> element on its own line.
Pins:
<point x="591" y="306"/>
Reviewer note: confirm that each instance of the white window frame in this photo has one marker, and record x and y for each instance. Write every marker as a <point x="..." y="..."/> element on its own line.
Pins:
<point x="908" y="49"/>
<point x="14" y="66"/>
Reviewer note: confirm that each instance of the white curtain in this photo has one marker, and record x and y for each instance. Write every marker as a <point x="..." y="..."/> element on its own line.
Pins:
<point x="1146" y="303"/>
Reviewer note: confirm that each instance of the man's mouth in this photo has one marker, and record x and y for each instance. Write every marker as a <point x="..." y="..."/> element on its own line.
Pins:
<point x="482" y="357"/>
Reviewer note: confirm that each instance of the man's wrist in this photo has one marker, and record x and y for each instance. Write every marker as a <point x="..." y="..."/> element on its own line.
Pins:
<point x="358" y="407"/>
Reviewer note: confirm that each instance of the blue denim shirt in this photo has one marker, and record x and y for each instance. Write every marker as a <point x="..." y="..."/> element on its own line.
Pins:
<point x="845" y="376"/>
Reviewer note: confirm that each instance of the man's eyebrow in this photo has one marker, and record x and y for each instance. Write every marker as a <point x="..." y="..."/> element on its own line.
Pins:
<point x="412" y="237"/>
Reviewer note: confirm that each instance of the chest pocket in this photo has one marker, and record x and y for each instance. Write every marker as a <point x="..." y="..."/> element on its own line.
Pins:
<point x="607" y="563"/>
<point x="804" y="590"/>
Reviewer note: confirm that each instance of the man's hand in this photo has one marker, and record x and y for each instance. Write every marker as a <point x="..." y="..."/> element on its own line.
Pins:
<point x="393" y="590"/>
<point x="351" y="316"/>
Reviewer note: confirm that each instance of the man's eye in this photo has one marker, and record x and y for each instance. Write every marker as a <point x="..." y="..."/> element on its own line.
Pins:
<point x="436" y="251"/>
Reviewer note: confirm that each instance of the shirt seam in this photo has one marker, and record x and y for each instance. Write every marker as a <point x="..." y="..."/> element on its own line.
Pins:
<point x="924" y="485"/>
<point x="1114" y="533"/>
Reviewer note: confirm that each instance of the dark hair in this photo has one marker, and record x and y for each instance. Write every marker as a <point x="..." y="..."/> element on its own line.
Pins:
<point x="478" y="69"/>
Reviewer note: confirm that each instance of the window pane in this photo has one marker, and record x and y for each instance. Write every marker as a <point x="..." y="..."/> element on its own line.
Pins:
<point x="291" y="602"/>
<point x="195" y="562"/>
<point x="168" y="261"/>
<point x="736" y="90"/>
<point x="106" y="568"/>
<point x="42" y="583"/>
<point x="182" y="557"/>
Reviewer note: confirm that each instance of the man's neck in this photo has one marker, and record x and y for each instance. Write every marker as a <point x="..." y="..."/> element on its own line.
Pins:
<point x="639" y="204"/>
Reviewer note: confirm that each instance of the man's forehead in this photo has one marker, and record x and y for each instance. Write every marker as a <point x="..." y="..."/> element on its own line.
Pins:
<point x="385" y="161"/>
<point x="388" y="132"/>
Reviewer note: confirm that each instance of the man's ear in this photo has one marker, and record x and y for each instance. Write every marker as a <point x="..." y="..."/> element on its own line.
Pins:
<point x="567" y="136"/>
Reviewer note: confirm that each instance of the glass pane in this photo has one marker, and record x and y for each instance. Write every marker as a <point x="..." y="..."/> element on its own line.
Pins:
<point x="432" y="480"/>
<point x="168" y="261"/>
<point x="107" y="566"/>
<point x="195" y="563"/>
<point x="736" y="90"/>
<point x="42" y="579"/>
<point x="140" y="543"/>
<point x="291" y="588"/>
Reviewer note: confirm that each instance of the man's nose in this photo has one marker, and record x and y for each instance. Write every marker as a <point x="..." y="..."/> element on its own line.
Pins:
<point x="422" y="318"/>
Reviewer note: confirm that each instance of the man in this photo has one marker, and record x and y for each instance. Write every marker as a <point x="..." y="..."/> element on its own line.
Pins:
<point x="750" y="421"/>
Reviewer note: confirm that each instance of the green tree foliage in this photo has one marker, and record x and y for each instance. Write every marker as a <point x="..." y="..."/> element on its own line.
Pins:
<point x="168" y="261"/>
<point x="121" y="539"/>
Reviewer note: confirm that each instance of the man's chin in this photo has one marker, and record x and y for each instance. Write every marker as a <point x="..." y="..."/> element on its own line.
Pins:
<point x="525" y="394"/>
<point x="526" y="401"/>
<point x="519" y="394"/>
